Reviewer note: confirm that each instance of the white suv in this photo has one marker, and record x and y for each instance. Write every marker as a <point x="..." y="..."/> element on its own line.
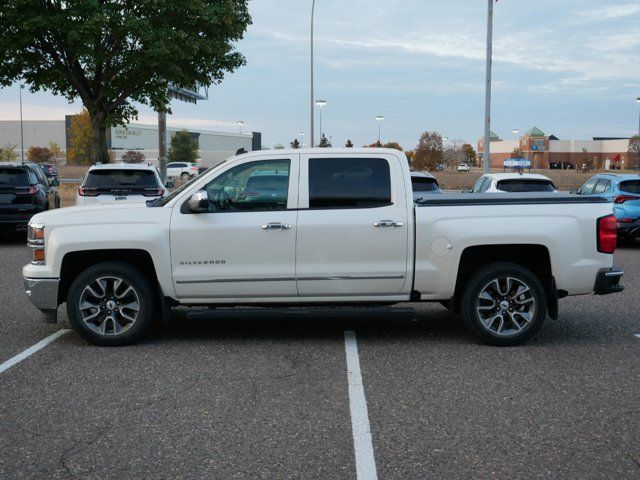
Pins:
<point x="513" y="183"/>
<point x="121" y="183"/>
<point x="182" y="170"/>
<point x="463" y="167"/>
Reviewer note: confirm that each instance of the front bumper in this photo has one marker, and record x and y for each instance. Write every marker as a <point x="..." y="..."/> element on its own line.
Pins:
<point x="608" y="281"/>
<point x="43" y="293"/>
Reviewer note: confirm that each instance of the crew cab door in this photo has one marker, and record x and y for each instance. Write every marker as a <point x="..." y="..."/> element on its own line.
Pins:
<point x="244" y="245"/>
<point x="353" y="229"/>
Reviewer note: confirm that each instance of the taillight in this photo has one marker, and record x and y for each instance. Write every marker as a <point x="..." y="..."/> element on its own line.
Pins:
<point x="87" y="192"/>
<point x="30" y="191"/>
<point x="153" y="192"/>
<point x="607" y="234"/>
<point x="625" y="198"/>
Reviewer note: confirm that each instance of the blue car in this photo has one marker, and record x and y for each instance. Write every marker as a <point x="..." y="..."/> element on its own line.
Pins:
<point x="624" y="191"/>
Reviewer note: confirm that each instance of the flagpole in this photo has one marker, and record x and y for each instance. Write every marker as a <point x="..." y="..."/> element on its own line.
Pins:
<point x="486" y="157"/>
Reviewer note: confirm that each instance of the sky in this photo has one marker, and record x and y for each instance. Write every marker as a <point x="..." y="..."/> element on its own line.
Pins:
<point x="570" y="67"/>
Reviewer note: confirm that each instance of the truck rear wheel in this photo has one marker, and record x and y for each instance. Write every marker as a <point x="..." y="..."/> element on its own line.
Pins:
<point x="111" y="304"/>
<point x="504" y="304"/>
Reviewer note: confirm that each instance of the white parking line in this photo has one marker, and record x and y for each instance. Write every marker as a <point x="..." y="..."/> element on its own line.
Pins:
<point x="31" y="350"/>
<point x="362" y="442"/>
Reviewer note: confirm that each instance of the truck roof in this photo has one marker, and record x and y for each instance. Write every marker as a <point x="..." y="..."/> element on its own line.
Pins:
<point x="325" y="151"/>
<point x="513" y="176"/>
<point x="122" y="166"/>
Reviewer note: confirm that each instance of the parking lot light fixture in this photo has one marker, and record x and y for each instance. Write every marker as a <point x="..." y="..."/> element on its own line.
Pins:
<point x="515" y="132"/>
<point x="240" y="124"/>
<point x="379" y="119"/>
<point x="321" y="104"/>
<point x="638" y="102"/>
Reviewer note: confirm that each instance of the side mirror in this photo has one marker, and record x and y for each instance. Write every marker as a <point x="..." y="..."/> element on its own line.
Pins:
<point x="54" y="182"/>
<point x="199" y="202"/>
<point x="169" y="184"/>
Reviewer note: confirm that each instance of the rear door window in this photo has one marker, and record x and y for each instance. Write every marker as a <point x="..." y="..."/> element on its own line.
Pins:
<point x="349" y="183"/>
<point x="630" y="186"/>
<point x="525" y="185"/>
<point x="13" y="177"/>
<point x="121" y="180"/>
<point x="602" y="186"/>
<point x="587" y="188"/>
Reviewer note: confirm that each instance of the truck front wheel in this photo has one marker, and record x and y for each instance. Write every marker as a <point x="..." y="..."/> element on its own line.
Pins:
<point x="111" y="304"/>
<point x="504" y="304"/>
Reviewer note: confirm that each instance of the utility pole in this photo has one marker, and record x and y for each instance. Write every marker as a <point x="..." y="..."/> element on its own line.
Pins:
<point x="312" y="98"/>
<point x="162" y="145"/>
<point x="21" y="127"/>
<point x="486" y="156"/>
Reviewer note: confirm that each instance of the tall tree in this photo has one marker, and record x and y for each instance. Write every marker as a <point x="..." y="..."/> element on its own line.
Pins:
<point x="429" y="152"/>
<point x="184" y="148"/>
<point x="634" y="152"/>
<point x="349" y="144"/>
<point x="295" y="144"/>
<point x="469" y="154"/>
<point x="80" y="139"/>
<point x="111" y="53"/>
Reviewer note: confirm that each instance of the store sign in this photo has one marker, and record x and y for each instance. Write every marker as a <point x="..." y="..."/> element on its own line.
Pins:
<point x="517" y="163"/>
<point x="125" y="133"/>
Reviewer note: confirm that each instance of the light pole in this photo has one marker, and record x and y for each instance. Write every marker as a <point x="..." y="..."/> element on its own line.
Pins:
<point x="240" y="124"/>
<point x="21" y="126"/>
<point x="379" y="119"/>
<point x="313" y="113"/>
<point x="321" y="104"/>
<point x="515" y="132"/>
<point x="486" y="157"/>
<point x="638" y="102"/>
<point x="301" y="135"/>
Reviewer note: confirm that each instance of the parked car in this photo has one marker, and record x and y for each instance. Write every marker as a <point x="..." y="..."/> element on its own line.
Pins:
<point x="464" y="167"/>
<point x="512" y="183"/>
<point x="502" y="261"/>
<point x="440" y="167"/>
<point x="624" y="191"/>
<point x="182" y="170"/>
<point x="423" y="184"/>
<point x="24" y="191"/>
<point x="49" y="169"/>
<point x="121" y="183"/>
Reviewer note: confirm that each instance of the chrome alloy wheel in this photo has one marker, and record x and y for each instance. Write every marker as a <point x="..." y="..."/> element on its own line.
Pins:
<point x="109" y="306"/>
<point x="506" y="306"/>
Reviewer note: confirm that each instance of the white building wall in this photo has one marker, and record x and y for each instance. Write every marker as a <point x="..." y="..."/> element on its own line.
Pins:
<point x="36" y="133"/>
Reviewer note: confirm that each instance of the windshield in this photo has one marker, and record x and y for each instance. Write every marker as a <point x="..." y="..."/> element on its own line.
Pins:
<point x="630" y="186"/>
<point x="13" y="177"/>
<point x="526" y="185"/>
<point x="110" y="179"/>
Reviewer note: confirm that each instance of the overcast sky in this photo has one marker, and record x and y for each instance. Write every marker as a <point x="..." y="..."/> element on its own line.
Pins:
<point x="570" y="67"/>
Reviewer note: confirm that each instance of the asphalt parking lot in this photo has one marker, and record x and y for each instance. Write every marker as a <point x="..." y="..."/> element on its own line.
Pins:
<point x="269" y="397"/>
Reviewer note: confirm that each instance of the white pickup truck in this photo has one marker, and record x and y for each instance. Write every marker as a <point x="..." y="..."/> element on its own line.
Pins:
<point x="317" y="227"/>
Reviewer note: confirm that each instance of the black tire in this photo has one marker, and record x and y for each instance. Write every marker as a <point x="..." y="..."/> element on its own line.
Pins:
<point x="143" y="296"/>
<point x="510" y="312"/>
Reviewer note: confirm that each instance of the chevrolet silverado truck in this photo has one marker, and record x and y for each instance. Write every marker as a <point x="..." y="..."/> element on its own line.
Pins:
<point x="317" y="227"/>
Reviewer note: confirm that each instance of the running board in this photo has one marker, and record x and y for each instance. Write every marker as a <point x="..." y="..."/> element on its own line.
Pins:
<point x="309" y="312"/>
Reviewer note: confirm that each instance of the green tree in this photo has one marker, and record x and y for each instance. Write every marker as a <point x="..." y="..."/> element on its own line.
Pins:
<point x="429" y="153"/>
<point x="57" y="154"/>
<point x="184" y="148"/>
<point x="295" y="144"/>
<point x="634" y="152"/>
<point x="349" y="144"/>
<point x="8" y="153"/>
<point x="110" y="54"/>
<point x="394" y="145"/>
<point x="133" y="157"/>
<point x="324" y="142"/>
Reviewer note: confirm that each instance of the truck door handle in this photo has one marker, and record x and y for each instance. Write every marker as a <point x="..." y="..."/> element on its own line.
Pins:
<point x="388" y="224"/>
<point x="276" y="226"/>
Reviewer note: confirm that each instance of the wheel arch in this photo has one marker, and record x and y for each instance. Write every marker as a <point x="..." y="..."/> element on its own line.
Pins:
<point x="534" y="257"/>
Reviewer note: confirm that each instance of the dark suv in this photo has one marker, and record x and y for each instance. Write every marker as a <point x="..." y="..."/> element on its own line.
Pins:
<point x="24" y="191"/>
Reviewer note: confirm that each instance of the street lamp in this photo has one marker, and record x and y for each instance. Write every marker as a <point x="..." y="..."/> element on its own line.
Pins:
<point x="486" y="156"/>
<point x="515" y="132"/>
<point x="21" y="126"/>
<point x="638" y="101"/>
<point x="379" y="119"/>
<point x="321" y="104"/>
<point x="240" y="124"/>
<point x="313" y="112"/>
<point x="301" y="135"/>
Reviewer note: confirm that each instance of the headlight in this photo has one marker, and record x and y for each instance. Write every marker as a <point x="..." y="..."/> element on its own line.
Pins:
<point x="35" y="243"/>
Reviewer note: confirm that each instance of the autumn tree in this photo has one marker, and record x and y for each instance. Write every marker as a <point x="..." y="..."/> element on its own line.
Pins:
<point x="409" y="154"/>
<point x="469" y="154"/>
<point x="634" y="152"/>
<point x="184" y="148"/>
<point x="394" y="145"/>
<point x="429" y="152"/>
<point x="57" y="154"/>
<point x="8" y="153"/>
<point x="132" y="156"/>
<point x="80" y="138"/>
<point x="39" y="154"/>
<point x="349" y="144"/>
<point x="113" y="54"/>
<point x="295" y="144"/>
